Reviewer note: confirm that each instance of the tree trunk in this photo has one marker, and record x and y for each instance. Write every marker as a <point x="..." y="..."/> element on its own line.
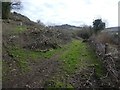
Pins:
<point x="6" y="10"/>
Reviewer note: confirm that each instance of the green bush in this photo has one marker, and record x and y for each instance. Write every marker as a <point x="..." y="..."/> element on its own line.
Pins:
<point x="98" y="25"/>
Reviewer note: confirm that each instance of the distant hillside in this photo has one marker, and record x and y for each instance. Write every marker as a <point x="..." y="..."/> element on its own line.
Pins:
<point x="65" y="26"/>
<point x="32" y="35"/>
<point x="112" y="29"/>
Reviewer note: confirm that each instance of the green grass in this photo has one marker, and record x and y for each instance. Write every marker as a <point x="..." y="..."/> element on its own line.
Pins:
<point x="92" y="60"/>
<point x="80" y="55"/>
<point x="51" y="84"/>
<point x="23" y="56"/>
<point x="61" y="85"/>
<point x="17" y="30"/>
<point x="77" y="55"/>
<point x="74" y="55"/>
<point x="20" y="57"/>
<point x="71" y="57"/>
<point x="20" y="29"/>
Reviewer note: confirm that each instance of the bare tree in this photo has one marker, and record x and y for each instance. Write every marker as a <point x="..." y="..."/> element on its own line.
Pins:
<point x="41" y="23"/>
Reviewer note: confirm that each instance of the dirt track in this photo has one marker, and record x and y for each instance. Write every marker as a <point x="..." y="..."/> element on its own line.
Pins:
<point x="43" y="71"/>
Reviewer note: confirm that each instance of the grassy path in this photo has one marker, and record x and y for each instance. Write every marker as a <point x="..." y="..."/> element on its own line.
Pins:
<point x="55" y="68"/>
<point x="80" y="55"/>
<point x="78" y="58"/>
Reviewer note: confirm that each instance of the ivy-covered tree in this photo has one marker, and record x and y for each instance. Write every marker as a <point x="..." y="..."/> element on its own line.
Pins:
<point x="98" y="25"/>
<point x="7" y="6"/>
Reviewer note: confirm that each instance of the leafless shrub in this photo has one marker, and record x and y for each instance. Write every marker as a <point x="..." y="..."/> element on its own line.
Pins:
<point x="85" y="32"/>
<point x="104" y="37"/>
<point x="40" y="22"/>
<point x="105" y="46"/>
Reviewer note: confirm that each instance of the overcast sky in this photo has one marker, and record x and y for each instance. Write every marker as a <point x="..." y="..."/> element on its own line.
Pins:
<point x="74" y="12"/>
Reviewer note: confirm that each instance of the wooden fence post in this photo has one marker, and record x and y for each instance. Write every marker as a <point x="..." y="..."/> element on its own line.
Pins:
<point x="106" y="48"/>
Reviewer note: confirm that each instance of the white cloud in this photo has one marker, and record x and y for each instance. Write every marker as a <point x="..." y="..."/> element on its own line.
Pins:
<point x="75" y="12"/>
